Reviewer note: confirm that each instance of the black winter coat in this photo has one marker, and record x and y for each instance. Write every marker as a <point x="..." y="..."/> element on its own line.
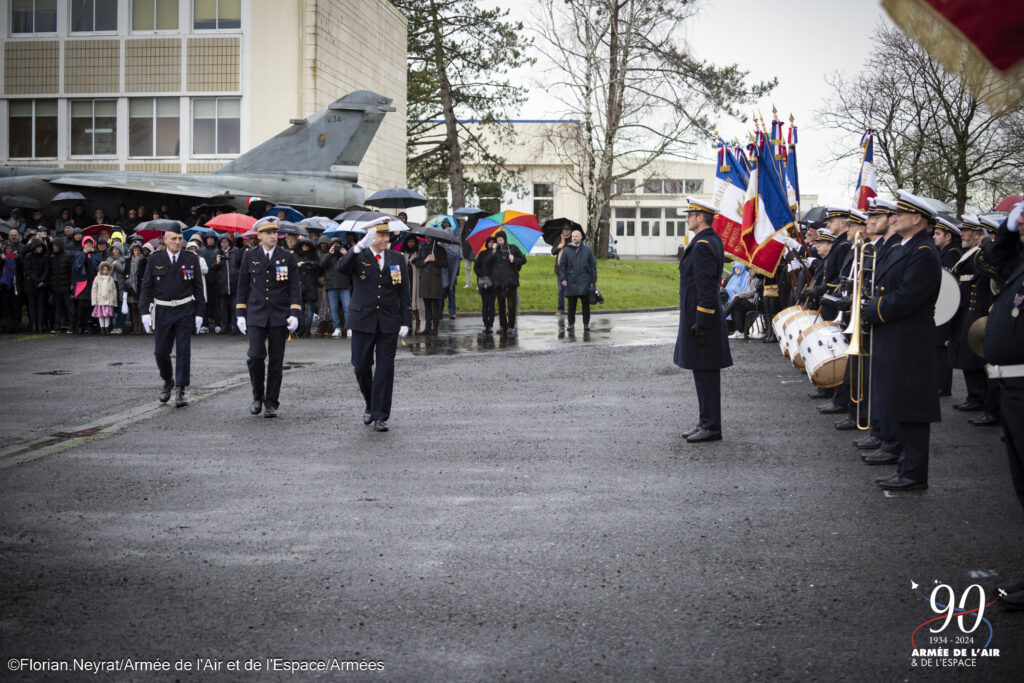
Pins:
<point x="578" y="268"/>
<point x="60" y="271"/>
<point x="505" y="273"/>
<point x="334" y="278"/>
<point x="431" y="284"/>
<point x="309" y="270"/>
<point x="37" y="270"/>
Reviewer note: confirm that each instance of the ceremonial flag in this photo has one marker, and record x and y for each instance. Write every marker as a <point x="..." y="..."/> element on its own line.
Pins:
<point x="867" y="182"/>
<point x="792" y="177"/>
<point x="730" y="187"/>
<point x="766" y="213"/>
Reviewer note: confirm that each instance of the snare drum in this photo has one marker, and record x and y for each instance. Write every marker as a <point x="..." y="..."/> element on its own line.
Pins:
<point x="778" y="324"/>
<point x="823" y="347"/>
<point x="795" y="325"/>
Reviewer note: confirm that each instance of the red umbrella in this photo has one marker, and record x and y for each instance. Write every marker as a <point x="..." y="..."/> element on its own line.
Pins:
<point x="232" y="222"/>
<point x="95" y="229"/>
<point x="1010" y="202"/>
<point x="148" y="235"/>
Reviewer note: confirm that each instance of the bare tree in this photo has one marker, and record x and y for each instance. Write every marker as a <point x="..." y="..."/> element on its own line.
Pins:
<point x="933" y="137"/>
<point x="618" y="68"/>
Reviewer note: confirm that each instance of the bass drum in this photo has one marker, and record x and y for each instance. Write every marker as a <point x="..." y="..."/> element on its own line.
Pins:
<point x="795" y="325"/>
<point x="778" y="324"/>
<point x="823" y="347"/>
<point x="949" y="298"/>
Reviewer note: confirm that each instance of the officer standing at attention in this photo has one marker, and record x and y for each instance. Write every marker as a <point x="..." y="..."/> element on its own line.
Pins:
<point x="904" y="392"/>
<point x="379" y="313"/>
<point x="701" y="344"/>
<point x="174" y="284"/>
<point x="268" y="303"/>
<point x="947" y="240"/>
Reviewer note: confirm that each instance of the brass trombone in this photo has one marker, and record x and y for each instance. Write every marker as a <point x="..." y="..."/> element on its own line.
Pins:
<point x="863" y="278"/>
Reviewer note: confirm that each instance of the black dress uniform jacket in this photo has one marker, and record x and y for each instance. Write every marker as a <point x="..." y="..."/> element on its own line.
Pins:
<point x="700" y="271"/>
<point x="268" y="291"/>
<point x="170" y="284"/>
<point x="376" y="298"/>
<point x="902" y="313"/>
<point x="1004" y="332"/>
<point x="975" y="299"/>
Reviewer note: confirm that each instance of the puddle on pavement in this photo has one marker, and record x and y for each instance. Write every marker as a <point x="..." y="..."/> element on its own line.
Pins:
<point x="54" y="372"/>
<point x="291" y="365"/>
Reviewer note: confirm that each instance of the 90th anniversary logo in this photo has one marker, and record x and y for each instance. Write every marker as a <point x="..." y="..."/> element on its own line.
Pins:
<point x="960" y="636"/>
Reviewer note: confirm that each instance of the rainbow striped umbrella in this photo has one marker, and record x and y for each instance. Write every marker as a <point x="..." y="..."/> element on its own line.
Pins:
<point x="520" y="228"/>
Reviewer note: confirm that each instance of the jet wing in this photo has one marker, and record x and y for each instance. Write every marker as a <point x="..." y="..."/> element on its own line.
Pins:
<point x="176" y="185"/>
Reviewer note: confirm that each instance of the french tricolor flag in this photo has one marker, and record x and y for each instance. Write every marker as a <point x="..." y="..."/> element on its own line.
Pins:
<point x="867" y="181"/>
<point x="730" y="190"/>
<point x="766" y="214"/>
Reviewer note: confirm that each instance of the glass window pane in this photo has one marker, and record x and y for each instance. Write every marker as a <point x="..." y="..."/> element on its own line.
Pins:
<point x="140" y="108"/>
<point x="650" y="213"/>
<point x="625" y="213"/>
<point x="204" y="109"/>
<point x="167" y="136"/>
<point x="230" y="12"/>
<point x="204" y="14"/>
<point x="694" y="186"/>
<point x="81" y="108"/>
<point x="630" y="228"/>
<point x="21" y="108"/>
<point x="167" y="106"/>
<point x="204" y="139"/>
<point x="228" y="136"/>
<point x="46" y="16"/>
<point x="620" y="228"/>
<point x="21" y="16"/>
<point x="167" y="15"/>
<point x="81" y="138"/>
<point x="105" y="134"/>
<point x="229" y="108"/>
<point x="645" y="228"/>
<point x="652" y="186"/>
<point x="46" y="107"/>
<point x="81" y="15"/>
<point x="655" y="228"/>
<point x="106" y="15"/>
<point x="140" y="137"/>
<point x="543" y="189"/>
<point x="46" y="131"/>
<point x="19" y="132"/>
<point x="142" y="15"/>
<point x="106" y="108"/>
<point x="670" y="228"/>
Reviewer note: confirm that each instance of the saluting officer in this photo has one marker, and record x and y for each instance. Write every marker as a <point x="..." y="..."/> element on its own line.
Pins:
<point x="701" y="344"/>
<point x="903" y="363"/>
<point x="173" y="285"/>
<point x="378" y="314"/>
<point x="267" y="303"/>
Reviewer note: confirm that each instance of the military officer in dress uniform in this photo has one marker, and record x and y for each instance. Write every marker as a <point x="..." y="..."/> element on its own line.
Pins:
<point x="379" y="313"/>
<point x="947" y="240"/>
<point x="173" y="286"/>
<point x="701" y="344"/>
<point x="975" y="299"/>
<point x="1004" y="351"/>
<point x="837" y="224"/>
<point x="267" y="305"/>
<point x="901" y="312"/>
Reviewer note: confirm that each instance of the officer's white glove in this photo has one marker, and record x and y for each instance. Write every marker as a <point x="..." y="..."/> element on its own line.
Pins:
<point x="1013" y="220"/>
<point x="293" y="323"/>
<point x="240" y="322"/>
<point x="366" y="241"/>
<point x="199" y="323"/>
<point x="403" y="330"/>
<point x="791" y="243"/>
<point x="147" y="323"/>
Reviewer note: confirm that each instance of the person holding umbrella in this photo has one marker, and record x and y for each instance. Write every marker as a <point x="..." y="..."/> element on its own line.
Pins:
<point x="174" y="286"/>
<point x="432" y="260"/>
<point x="267" y="304"/>
<point x="577" y="273"/>
<point x="508" y="260"/>
<point x="483" y="266"/>
<point x="379" y="315"/>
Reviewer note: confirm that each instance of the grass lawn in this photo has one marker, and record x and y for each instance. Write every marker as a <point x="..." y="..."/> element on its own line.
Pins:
<point x="624" y="284"/>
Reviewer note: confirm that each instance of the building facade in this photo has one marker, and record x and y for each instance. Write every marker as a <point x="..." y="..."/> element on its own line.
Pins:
<point x="184" y="86"/>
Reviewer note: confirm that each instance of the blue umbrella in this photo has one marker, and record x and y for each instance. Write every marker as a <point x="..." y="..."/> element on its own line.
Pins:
<point x="396" y="198"/>
<point x="468" y="211"/>
<point x="290" y="214"/>
<point x="204" y="231"/>
<point x="436" y="221"/>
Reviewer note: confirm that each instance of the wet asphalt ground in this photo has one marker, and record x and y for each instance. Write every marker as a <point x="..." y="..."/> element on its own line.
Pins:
<point x="531" y="515"/>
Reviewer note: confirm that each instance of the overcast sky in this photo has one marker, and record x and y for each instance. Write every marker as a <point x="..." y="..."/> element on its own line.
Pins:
<point x="815" y="39"/>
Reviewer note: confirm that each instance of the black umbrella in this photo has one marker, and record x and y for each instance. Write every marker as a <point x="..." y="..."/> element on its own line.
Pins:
<point x="815" y="218"/>
<point x="212" y="207"/>
<point x="435" y="233"/>
<point x="162" y="225"/>
<point x="396" y="198"/>
<point x="22" y="202"/>
<point x="289" y="228"/>
<point x="552" y="229"/>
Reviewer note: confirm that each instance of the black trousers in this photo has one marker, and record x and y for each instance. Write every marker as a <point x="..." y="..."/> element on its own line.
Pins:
<point x="914" y="437"/>
<point x="944" y="369"/>
<point x="709" y="398"/>
<point x="10" y="308"/>
<point x="227" y="321"/>
<point x="62" y="311"/>
<point x="1012" y="407"/>
<point x="738" y="308"/>
<point x="36" y="301"/>
<point x="977" y="384"/>
<point x="994" y="397"/>
<point x="487" y="297"/>
<point x="376" y="386"/>
<point x="264" y="341"/>
<point x="507" y="306"/>
<point x="433" y="312"/>
<point x="887" y="432"/>
<point x="842" y="396"/>
<point x="585" y="300"/>
<point x="174" y="325"/>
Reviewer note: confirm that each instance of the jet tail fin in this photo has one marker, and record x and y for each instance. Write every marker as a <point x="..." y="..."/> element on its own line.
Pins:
<point x="336" y="136"/>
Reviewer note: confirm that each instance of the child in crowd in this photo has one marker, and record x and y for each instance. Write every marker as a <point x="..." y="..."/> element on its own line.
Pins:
<point x="104" y="297"/>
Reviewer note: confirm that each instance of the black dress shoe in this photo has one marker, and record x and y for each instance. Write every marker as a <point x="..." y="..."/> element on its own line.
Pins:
<point x="691" y="432"/>
<point x="269" y="411"/>
<point x="705" y="435"/>
<point x="846" y="424"/>
<point x="380" y="426"/>
<point x="367" y="417"/>
<point x="165" y="393"/>
<point x="969" y="406"/>
<point x="867" y="443"/>
<point x="985" y="420"/>
<point x="879" y="480"/>
<point x="820" y="393"/>
<point x="900" y="483"/>
<point x="831" y="409"/>
<point x="880" y="457"/>
<point x="179" y="398"/>
<point x="255" y="407"/>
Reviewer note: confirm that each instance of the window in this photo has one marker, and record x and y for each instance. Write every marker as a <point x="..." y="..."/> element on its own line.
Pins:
<point x="672" y="187"/>
<point x="624" y="186"/>
<point x="154" y="15"/>
<point x="437" y="198"/>
<point x="93" y="15"/>
<point x="33" y="16"/>
<point x="32" y="128"/>
<point x="216" y="125"/>
<point x="694" y="186"/>
<point x="650" y="222"/>
<point x="670" y="228"/>
<point x="153" y="127"/>
<point x="652" y="186"/>
<point x="544" y="201"/>
<point x="216" y="14"/>
<point x="93" y="127"/>
<point x="625" y="222"/>
<point x="490" y="197"/>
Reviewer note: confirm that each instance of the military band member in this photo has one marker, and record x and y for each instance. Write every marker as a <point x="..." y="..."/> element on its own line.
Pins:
<point x="837" y="224"/>
<point x="173" y="287"/>
<point x="379" y="313"/>
<point x="267" y="306"/>
<point x="947" y="240"/>
<point x="975" y="299"/>
<point x="701" y="343"/>
<point x="901" y="312"/>
<point x="1004" y="352"/>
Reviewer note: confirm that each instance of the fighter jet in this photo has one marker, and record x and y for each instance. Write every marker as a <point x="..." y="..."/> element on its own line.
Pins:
<point x="313" y="163"/>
